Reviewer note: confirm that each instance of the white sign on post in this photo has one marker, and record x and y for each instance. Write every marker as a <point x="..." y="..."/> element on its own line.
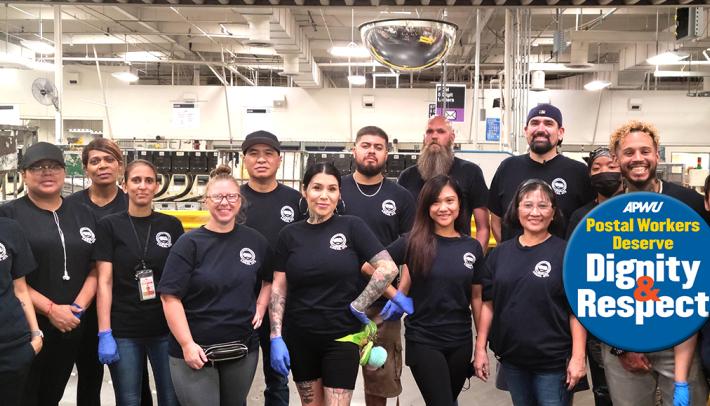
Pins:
<point x="186" y="115"/>
<point x="10" y="114"/>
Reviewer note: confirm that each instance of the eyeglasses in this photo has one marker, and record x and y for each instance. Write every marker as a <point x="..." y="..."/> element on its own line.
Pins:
<point x="231" y="198"/>
<point x="52" y="168"/>
<point x="528" y="207"/>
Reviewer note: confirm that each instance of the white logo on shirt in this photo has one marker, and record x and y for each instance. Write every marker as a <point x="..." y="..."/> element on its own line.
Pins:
<point x="468" y="260"/>
<point x="3" y="252"/>
<point x="287" y="214"/>
<point x="559" y="185"/>
<point x="247" y="256"/>
<point x="164" y="240"/>
<point x="542" y="269"/>
<point x="87" y="235"/>
<point x="338" y="242"/>
<point x="389" y="208"/>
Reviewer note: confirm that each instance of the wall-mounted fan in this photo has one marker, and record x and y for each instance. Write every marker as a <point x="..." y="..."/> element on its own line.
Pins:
<point x="45" y="92"/>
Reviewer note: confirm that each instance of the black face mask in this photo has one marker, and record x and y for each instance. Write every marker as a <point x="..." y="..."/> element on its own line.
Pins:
<point x="606" y="183"/>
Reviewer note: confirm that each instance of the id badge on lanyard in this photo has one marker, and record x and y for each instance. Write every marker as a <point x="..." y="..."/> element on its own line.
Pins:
<point x="146" y="284"/>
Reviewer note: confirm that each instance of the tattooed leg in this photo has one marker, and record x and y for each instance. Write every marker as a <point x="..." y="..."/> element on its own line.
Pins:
<point x="384" y="274"/>
<point x="338" y="396"/>
<point x="311" y="392"/>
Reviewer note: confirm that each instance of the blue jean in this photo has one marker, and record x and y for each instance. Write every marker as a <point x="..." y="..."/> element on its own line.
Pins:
<point x="536" y="388"/>
<point x="127" y="376"/>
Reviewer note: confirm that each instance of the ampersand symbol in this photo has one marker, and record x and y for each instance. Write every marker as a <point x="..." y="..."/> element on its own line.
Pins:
<point x="644" y="292"/>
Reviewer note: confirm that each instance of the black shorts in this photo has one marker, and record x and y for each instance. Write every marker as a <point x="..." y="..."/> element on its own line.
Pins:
<point x="314" y="357"/>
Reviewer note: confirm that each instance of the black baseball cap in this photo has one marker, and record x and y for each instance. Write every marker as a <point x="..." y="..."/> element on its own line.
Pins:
<point x="39" y="152"/>
<point x="261" y="137"/>
<point x="545" y="110"/>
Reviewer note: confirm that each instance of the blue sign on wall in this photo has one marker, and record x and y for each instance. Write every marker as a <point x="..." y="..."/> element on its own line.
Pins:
<point x="492" y="129"/>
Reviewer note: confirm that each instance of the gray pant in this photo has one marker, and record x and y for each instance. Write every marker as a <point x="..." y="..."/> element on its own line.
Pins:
<point x="639" y="389"/>
<point x="225" y="384"/>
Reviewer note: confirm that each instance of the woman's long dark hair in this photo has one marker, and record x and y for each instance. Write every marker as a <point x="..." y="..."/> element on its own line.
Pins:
<point x="421" y="247"/>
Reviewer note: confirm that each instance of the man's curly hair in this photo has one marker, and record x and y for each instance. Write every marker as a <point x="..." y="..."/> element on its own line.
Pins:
<point x="634" y="125"/>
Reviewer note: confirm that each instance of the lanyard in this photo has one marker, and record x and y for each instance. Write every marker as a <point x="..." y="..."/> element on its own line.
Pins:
<point x="143" y="248"/>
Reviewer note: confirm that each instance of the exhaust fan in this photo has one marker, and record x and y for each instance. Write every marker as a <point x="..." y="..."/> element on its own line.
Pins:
<point x="408" y="44"/>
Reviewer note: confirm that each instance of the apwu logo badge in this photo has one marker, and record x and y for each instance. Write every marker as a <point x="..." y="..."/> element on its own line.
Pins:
<point x="643" y="207"/>
<point x="87" y="235"/>
<point x="468" y="260"/>
<point x="287" y="214"/>
<point x="3" y="252"/>
<point x="163" y="239"/>
<point x="247" y="256"/>
<point x="559" y="186"/>
<point x="338" y="242"/>
<point x="542" y="269"/>
<point x="389" y="208"/>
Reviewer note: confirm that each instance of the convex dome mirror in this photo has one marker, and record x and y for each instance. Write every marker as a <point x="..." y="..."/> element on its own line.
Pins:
<point x="408" y="44"/>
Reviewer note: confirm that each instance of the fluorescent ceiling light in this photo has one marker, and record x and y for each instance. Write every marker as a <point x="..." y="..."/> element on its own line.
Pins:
<point x="39" y="47"/>
<point x="357" y="80"/>
<point x="597" y="85"/>
<point x="125" y="76"/>
<point x="350" y="51"/>
<point x="667" y="57"/>
<point x="142" y="56"/>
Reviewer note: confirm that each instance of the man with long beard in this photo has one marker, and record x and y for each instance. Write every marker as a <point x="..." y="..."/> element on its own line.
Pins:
<point x="388" y="209"/>
<point x="569" y="179"/>
<point x="437" y="158"/>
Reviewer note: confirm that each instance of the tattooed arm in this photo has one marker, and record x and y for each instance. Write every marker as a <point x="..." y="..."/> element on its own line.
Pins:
<point x="277" y="303"/>
<point x="384" y="274"/>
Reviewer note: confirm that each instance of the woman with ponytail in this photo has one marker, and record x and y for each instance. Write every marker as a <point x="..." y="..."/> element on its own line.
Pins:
<point x="209" y="301"/>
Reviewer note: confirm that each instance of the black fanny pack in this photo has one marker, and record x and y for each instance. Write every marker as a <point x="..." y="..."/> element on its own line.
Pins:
<point x="232" y="350"/>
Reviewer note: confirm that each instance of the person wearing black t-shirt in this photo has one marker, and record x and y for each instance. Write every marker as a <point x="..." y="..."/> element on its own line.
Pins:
<point x="526" y="317"/>
<point x="605" y="177"/>
<point x="62" y="236"/>
<point x="676" y="372"/>
<point x="437" y="158"/>
<point x="569" y="179"/>
<point x="130" y="253"/>
<point x="20" y="337"/>
<point x="103" y="164"/>
<point x="705" y="331"/>
<point x="443" y="265"/>
<point x="388" y="209"/>
<point x="207" y="290"/>
<point x="269" y="206"/>
<point x="317" y="292"/>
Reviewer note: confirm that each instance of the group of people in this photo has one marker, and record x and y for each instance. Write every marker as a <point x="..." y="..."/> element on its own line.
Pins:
<point x="296" y="273"/>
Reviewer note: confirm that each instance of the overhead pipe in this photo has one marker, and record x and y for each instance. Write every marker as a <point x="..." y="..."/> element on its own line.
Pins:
<point x="473" y="124"/>
<point x="508" y="77"/>
<point x="58" y="75"/>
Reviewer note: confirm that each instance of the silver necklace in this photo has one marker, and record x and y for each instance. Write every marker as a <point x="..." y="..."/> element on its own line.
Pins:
<point x="357" y="185"/>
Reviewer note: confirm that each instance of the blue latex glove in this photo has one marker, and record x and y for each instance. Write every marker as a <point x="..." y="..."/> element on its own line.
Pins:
<point x="405" y="303"/>
<point x="681" y="395"/>
<point x="359" y="315"/>
<point x="77" y="310"/>
<point x="108" y="351"/>
<point x="391" y="311"/>
<point x="280" y="360"/>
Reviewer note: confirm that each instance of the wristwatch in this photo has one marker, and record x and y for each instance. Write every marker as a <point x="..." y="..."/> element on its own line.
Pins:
<point x="616" y="351"/>
<point x="37" y="333"/>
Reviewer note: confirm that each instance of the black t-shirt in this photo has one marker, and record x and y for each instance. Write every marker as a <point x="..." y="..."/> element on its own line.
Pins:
<point x="530" y="310"/>
<point x="687" y="196"/>
<point x="389" y="213"/>
<point x="214" y="274"/>
<point x="569" y="180"/>
<point x="322" y="264"/>
<point x="577" y="216"/>
<point x="442" y="300"/>
<point x="117" y="243"/>
<point x="16" y="261"/>
<point x="66" y="236"/>
<point x="117" y="205"/>
<point x="467" y="174"/>
<point x="269" y="212"/>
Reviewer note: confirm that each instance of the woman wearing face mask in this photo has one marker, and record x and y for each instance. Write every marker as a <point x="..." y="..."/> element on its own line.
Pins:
<point x="540" y="343"/>
<point x="316" y="292"/>
<point x="443" y="264"/>
<point x="131" y="251"/>
<point x="61" y="235"/>
<point x="209" y="301"/>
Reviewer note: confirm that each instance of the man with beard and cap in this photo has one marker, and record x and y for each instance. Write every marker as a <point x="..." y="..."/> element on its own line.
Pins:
<point x="269" y="206"/>
<point x="569" y="179"/>
<point x="437" y="158"/>
<point x="388" y="209"/>
<point x="605" y="177"/>
<point x="633" y="377"/>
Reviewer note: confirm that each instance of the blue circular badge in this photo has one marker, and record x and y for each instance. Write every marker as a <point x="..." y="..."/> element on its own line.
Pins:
<point x="637" y="272"/>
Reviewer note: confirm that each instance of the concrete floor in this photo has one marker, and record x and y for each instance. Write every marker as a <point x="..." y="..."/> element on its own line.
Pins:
<point x="479" y="394"/>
